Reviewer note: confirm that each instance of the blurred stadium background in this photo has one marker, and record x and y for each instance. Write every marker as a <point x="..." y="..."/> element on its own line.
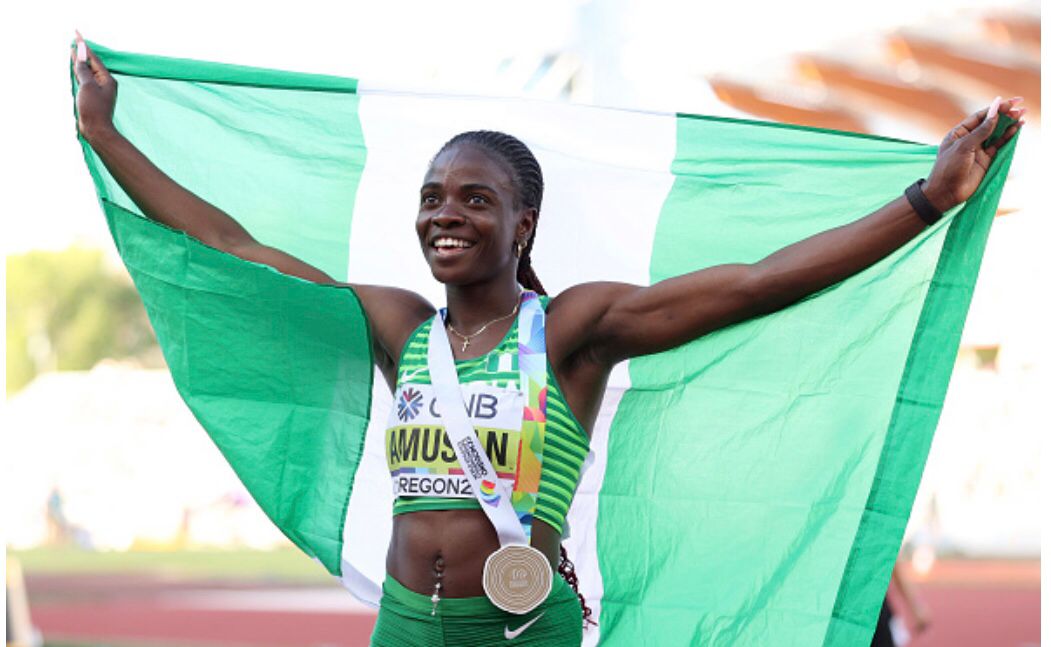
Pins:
<point x="131" y="530"/>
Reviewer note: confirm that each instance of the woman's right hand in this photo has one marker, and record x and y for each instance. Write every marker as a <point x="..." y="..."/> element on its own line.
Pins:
<point x="97" y="94"/>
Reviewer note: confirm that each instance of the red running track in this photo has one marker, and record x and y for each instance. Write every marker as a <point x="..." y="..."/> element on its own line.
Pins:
<point x="972" y="603"/>
<point x="142" y="622"/>
<point x="150" y="610"/>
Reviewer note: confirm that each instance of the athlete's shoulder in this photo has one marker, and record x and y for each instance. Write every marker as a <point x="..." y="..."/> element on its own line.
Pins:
<point x="394" y="313"/>
<point x="574" y="315"/>
<point x="588" y="300"/>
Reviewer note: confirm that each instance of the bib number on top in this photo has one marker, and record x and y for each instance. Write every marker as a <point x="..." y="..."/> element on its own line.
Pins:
<point x="420" y="454"/>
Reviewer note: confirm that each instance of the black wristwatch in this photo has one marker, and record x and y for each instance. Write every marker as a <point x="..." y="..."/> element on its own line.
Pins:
<point x="920" y="204"/>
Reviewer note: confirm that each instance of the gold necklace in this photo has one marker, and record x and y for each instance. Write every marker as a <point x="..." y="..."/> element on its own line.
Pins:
<point x="467" y="338"/>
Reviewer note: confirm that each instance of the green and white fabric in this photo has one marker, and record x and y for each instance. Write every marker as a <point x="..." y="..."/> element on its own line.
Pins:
<point x="748" y="488"/>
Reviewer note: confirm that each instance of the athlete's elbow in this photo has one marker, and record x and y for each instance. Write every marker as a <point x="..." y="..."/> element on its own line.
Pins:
<point x="757" y="290"/>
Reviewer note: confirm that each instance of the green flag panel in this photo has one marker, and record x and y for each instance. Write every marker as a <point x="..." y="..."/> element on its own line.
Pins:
<point x="277" y="369"/>
<point x="284" y="160"/>
<point x="770" y="467"/>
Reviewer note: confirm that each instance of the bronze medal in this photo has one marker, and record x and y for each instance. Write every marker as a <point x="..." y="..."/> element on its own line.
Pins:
<point x="517" y="578"/>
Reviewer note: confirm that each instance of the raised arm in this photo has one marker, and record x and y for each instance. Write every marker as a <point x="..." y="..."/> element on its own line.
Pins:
<point x="393" y="313"/>
<point x="160" y="197"/>
<point x="613" y="321"/>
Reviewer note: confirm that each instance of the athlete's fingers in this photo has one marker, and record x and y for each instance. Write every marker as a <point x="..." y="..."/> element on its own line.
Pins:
<point x="79" y="55"/>
<point x="82" y="70"/>
<point x="1016" y="113"/>
<point x="994" y="109"/>
<point x="983" y="130"/>
<point x="82" y="47"/>
<point x="1003" y="139"/>
<point x="971" y="122"/>
<point x="992" y="149"/>
<point x="101" y="72"/>
<point x="98" y="68"/>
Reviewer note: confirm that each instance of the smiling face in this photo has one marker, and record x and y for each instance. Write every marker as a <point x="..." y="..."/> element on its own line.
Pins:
<point x="469" y="217"/>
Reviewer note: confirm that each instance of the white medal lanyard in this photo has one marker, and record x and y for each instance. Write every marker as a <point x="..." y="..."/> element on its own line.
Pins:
<point x="517" y="577"/>
<point x="469" y="451"/>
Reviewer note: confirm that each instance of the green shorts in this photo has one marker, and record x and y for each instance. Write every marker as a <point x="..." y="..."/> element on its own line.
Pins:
<point x="405" y="619"/>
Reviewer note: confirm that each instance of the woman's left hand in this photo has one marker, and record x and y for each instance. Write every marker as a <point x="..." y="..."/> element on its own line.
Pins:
<point x="963" y="160"/>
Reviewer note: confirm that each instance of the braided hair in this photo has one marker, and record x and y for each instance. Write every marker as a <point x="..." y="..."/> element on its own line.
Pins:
<point x="528" y="182"/>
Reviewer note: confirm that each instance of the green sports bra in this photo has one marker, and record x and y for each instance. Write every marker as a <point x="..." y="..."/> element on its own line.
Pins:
<point x="565" y="442"/>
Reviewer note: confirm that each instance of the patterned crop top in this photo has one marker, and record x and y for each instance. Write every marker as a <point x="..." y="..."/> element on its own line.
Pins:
<point x="565" y="442"/>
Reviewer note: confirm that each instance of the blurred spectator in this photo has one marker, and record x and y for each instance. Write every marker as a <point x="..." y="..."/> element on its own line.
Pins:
<point x="58" y="530"/>
<point x="891" y="630"/>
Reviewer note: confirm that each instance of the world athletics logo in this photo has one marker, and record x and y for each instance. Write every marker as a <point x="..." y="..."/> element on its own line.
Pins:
<point x="489" y="495"/>
<point x="409" y="403"/>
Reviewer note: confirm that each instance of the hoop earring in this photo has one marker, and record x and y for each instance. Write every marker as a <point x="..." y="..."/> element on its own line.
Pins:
<point x="519" y="248"/>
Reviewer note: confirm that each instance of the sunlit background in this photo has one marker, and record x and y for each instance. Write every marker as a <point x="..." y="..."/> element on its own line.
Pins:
<point x="128" y="526"/>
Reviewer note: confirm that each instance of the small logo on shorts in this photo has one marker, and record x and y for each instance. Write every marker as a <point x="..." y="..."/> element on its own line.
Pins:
<point x="511" y="635"/>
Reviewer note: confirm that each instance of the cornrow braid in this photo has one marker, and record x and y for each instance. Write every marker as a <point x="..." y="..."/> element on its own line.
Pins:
<point x="528" y="181"/>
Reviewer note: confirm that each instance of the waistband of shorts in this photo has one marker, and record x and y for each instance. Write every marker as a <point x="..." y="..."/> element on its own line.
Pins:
<point x="478" y="606"/>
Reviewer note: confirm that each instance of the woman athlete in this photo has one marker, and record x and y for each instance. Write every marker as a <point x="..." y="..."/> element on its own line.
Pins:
<point x="478" y="212"/>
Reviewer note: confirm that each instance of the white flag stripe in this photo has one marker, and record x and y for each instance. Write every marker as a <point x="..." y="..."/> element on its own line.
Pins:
<point x="366" y="531"/>
<point x="583" y="515"/>
<point x="591" y="157"/>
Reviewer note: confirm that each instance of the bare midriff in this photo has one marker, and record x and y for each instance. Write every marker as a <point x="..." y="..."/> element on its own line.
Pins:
<point x="451" y="546"/>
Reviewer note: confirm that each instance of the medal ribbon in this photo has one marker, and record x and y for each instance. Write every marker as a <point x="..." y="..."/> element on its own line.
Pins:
<point x="532" y="368"/>
<point x="510" y="512"/>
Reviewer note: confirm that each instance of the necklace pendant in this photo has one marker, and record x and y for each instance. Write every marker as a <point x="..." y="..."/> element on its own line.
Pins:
<point x="466" y="343"/>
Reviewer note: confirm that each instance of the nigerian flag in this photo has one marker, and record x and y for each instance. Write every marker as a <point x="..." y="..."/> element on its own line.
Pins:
<point x="748" y="488"/>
